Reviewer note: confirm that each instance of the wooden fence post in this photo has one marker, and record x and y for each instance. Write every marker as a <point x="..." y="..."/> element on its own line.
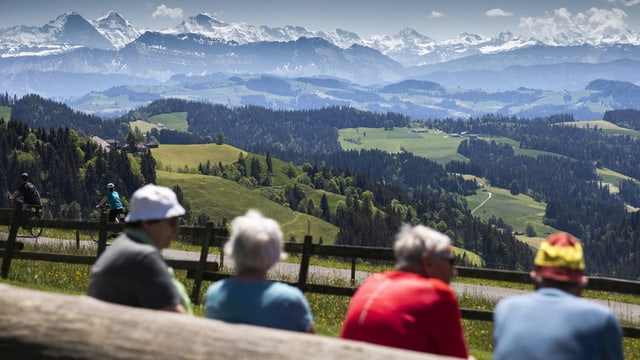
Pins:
<point x="353" y="270"/>
<point x="16" y="221"/>
<point x="221" y="247"/>
<point x="204" y="254"/>
<point x="102" y="233"/>
<point x="304" y="262"/>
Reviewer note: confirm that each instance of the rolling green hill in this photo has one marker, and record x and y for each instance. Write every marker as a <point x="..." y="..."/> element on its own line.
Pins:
<point x="173" y="121"/>
<point x="434" y="144"/>
<point x="517" y="211"/>
<point x="179" y="156"/>
<point x="606" y="126"/>
<point x="220" y="198"/>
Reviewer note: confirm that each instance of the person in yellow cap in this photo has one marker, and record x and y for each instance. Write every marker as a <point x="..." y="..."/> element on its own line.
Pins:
<point x="554" y="322"/>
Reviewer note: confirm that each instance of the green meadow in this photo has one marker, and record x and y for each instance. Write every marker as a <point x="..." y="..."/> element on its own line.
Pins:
<point x="434" y="144"/>
<point x="175" y="157"/>
<point x="173" y="121"/>
<point x="516" y="210"/>
<point x="5" y="113"/>
<point x="606" y="126"/>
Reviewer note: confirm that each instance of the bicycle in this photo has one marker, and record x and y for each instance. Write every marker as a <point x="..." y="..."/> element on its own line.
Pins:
<point x="30" y="212"/>
<point x="96" y="215"/>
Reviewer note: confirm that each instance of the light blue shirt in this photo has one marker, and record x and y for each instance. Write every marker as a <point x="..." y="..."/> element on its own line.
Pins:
<point x="552" y="324"/>
<point x="266" y="303"/>
<point x="114" y="200"/>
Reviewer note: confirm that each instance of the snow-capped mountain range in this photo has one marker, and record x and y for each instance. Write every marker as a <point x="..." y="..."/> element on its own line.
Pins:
<point x="108" y="65"/>
<point x="408" y="47"/>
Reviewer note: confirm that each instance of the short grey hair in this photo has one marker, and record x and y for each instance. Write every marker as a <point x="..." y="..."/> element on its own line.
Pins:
<point x="256" y="242"/>
<point x="412" y="242"/>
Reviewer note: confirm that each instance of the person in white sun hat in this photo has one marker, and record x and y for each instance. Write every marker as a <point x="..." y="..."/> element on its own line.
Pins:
<point x="132" y="270"/>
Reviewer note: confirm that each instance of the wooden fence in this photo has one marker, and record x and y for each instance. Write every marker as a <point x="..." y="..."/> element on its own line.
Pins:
<point x="211" y="236"/>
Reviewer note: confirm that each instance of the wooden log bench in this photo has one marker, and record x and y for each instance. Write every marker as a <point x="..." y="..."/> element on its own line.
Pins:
<point x="44" y="325"/>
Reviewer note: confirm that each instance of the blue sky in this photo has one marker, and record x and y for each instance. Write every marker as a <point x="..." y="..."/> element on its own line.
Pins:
<point x="439" y="19"/>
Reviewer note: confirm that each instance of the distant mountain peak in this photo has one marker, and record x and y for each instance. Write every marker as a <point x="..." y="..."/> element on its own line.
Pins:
<point x="118" y="30"/>
<point x="205" y="18"/>
<point x="112" y="16"/>
<point x="200" y="23"/>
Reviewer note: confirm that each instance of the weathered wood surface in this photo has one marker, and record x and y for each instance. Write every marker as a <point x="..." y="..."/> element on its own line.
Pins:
<point x="43" y="325"/>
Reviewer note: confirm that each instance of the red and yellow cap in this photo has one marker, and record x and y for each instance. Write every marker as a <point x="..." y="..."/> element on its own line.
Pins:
<point x="560" y="258"/>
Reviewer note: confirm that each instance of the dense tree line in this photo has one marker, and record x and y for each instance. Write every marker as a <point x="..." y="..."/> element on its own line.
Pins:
<point x="302" y="131"/>
<point x="70" y="171"/>
<point x="626" y="118"/>
<point x="38" y="112"/>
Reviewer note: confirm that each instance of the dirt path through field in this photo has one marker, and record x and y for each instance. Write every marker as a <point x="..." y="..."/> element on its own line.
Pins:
<point x="482" y="203"/>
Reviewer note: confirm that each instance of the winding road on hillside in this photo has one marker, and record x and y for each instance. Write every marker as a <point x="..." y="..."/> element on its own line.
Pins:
<point x="289" y="271"/>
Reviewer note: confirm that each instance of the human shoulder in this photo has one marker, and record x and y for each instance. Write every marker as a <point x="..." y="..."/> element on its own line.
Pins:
<point x="217" y="285"/>
<point x="591" y="306"/>
<point x="421" y="286"/>
<point x="513" y="301"/>
<point x="284" y="289"/>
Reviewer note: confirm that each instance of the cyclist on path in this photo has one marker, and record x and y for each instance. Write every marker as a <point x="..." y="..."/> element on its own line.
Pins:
<point x="114" y="203"/>
<point x="28" y="192"/>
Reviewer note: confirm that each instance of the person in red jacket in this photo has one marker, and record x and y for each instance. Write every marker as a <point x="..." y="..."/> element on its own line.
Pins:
<point x="411" y="307"/>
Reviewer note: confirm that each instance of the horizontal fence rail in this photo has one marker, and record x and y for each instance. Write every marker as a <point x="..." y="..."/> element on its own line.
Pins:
<point x="212" y="236"/>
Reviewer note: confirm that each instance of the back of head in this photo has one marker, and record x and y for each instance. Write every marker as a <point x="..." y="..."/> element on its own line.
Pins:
<point x="24" y="176"/>
<point x="255" y="243"/>
<point x="560" y="258"/>
<point x="153" y="202"/>
<point x="412" y="242"/>
<point x="110" y="186"/>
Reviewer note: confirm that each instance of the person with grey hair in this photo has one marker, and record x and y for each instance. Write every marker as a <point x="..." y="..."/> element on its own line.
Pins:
<point x="255" y="245"/>
<point x="411" y="307"/>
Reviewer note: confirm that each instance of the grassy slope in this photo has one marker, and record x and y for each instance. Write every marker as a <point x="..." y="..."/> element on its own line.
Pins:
<point x="178" y="156"/>
<point x="204" y="192"/>
<point x="220" y="198"/>
<point x="174" y="121"/>
<point x="434" y="145"/>
<point x="517" y="211"/>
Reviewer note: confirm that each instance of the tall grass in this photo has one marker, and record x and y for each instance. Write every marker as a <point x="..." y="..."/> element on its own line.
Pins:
<point x="328" y="310"/>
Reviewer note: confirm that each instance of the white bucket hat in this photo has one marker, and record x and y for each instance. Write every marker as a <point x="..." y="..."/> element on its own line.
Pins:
<point x="153" y="202"/>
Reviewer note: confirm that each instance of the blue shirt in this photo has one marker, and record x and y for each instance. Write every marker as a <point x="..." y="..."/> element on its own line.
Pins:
<point x="265" y="303"/>
<point x="114" y="200"/>
<point x="553" y="324"/>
